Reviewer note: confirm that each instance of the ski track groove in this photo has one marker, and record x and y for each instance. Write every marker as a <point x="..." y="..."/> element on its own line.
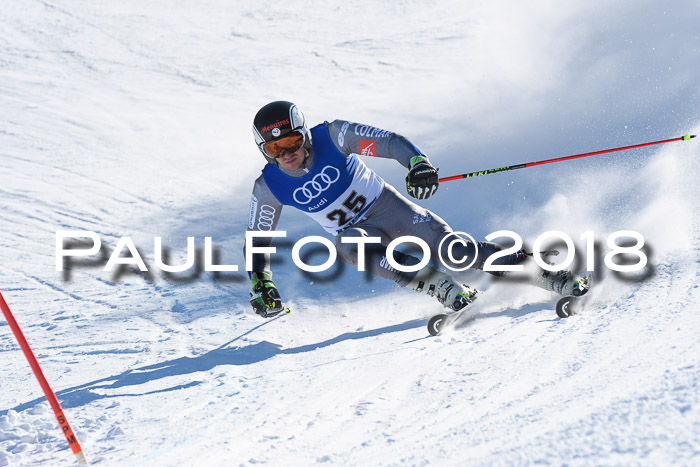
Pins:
<point x="91" y="182"/>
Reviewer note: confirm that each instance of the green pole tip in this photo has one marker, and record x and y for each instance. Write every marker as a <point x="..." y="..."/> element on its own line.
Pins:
<point x="687" y="137"/>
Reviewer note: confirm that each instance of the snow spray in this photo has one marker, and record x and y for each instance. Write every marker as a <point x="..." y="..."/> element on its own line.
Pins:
<point x="48" y="392"/>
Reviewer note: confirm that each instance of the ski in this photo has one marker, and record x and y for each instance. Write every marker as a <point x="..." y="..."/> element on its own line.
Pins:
<point x="439" y="322"/>
<point x="569" y="305"/>
<point x="442" y="321"/>
<point x="285" y="311"/>
<point x="565" y="307"/>
<point x="573" y="304"/>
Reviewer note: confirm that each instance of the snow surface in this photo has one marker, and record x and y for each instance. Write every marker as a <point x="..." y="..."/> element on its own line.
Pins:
<point x="133" y="119"/>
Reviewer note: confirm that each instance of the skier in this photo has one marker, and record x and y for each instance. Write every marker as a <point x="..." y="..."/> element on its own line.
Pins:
<point x="318" y="171"/>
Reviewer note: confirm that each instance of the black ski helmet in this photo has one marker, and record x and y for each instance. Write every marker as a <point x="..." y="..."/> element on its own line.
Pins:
<point x="276" y="120"/>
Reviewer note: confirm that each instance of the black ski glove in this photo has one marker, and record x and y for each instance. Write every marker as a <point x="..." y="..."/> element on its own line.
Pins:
<point x="422" y="178"/>
<point x="264" y="298"/>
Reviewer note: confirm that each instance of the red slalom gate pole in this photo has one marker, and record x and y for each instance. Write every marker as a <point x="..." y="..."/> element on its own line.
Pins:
<point x="48" y="392"/>
<point x="559" y="159"/>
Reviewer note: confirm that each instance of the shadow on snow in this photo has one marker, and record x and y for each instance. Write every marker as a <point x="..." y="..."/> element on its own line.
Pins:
<point x="224" y="355"/>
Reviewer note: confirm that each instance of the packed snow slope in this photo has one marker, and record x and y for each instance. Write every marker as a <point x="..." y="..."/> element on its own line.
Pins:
<point x="132" y="119"/>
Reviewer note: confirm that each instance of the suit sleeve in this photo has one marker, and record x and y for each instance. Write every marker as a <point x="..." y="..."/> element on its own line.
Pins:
<point x="365" y="140"/>
<point x="265" y="211"/>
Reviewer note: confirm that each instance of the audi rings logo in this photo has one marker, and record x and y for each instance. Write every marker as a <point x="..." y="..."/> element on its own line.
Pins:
<point x="317" y="185"/>
<point x="265" y="217"/>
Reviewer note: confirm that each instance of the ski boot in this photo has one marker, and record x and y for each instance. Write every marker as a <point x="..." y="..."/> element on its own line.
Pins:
<point x="562" y="282"/>
<point x="442" y="286"/>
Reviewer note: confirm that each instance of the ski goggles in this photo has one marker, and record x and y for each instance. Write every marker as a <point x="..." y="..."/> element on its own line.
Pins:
<point x="279" y="147"/>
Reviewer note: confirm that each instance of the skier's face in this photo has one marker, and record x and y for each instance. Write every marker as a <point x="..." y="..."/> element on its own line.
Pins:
<point x="292" y="160"/>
